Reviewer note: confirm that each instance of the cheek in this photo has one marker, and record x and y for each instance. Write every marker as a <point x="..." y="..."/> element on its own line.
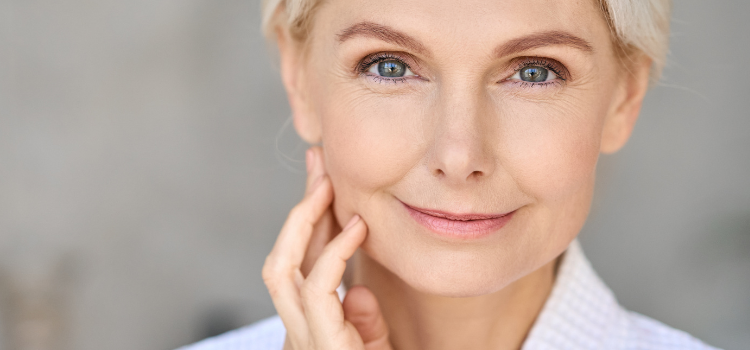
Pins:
<point x="552" y="148"/>
<point x="370" y="143"/>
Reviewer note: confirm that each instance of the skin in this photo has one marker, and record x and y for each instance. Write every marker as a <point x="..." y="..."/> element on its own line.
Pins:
<point x="462" y="135"/>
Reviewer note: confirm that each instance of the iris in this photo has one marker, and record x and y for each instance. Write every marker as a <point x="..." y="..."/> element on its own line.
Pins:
<point x="391" y="69"/>
<point x="534" y="74"/>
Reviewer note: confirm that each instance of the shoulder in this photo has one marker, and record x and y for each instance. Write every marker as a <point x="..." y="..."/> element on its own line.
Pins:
<point x="267" y="334"/>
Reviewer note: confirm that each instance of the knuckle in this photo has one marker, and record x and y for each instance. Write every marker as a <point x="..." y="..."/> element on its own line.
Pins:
<point x="270" y="274"/>
<point x="271" y="286"/>
<point x="309" y="291"/>
<point x="332" y="253"/>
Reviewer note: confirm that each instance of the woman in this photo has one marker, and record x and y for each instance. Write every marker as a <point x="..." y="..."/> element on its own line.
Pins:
<point x="458" y="143"/>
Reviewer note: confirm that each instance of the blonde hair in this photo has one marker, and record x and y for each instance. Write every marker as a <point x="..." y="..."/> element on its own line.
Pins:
<point x="636" y="25"/>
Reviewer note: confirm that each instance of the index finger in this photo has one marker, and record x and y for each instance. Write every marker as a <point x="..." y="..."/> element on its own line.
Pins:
<point x="290" y="247"/>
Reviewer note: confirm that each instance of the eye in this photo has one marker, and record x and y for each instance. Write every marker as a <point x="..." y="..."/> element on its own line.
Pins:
<point x="390" y="68"/>
<point x="534" y="74"/>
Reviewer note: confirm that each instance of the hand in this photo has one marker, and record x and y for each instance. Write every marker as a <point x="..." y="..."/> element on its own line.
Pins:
<point x="308" y="303"/>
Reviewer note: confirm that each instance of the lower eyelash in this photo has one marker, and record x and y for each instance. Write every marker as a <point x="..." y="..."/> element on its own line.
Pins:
<point x="384" y="80"/>
<point x="528" y="84"/>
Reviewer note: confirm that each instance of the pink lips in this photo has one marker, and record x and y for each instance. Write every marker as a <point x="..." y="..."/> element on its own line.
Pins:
<point x="465" y="226"/>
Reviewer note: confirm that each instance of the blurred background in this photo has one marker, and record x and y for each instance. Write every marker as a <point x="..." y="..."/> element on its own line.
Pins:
<point x="145" y="170"/>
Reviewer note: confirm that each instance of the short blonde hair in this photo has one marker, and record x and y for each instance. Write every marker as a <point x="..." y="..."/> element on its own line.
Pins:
<point x="636" y="25"/>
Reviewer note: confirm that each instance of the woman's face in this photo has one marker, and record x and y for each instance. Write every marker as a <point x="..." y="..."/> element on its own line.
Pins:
<point x="465" y="134"/>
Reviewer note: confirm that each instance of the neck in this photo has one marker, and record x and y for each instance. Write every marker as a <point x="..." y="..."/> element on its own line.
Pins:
<point x="416" y="320"/>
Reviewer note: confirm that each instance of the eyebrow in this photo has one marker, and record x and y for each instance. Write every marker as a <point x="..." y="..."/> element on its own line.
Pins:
<point x="384" y="33"/>
<point x="542" y="39"/>
<point x="525" y="43"/>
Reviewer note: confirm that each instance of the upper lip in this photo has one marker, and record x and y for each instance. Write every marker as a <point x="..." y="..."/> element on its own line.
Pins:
<point x="455" y="216"/>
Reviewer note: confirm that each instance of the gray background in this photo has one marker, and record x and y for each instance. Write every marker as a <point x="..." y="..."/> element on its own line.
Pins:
<point x="141" y="184"/>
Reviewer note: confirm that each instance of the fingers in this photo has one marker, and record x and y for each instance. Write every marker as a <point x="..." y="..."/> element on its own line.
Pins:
<point x="319" y="297"/>
<point x="281" y="272"/>
<point x="309" y="306"/>
<point x="362" y="310"/>
<point x="327" y="273"/>
<point x="295" y="234"/>
<point x="323" y="232"/>
<point x="324" y="229"/>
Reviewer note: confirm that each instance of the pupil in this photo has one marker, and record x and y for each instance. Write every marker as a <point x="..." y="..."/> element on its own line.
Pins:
<point x="534" y="74"/>
<point x="391" y="69"/>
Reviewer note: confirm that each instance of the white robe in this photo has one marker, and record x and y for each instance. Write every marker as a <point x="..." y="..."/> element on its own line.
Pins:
<point x="581" y="313"/>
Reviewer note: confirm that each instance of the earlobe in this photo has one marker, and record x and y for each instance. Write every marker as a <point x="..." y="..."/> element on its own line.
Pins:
<point x="621" y="120"/>
<point x="292" y="75"/>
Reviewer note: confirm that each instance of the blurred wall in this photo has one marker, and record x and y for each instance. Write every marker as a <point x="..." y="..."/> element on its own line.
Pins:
<point x="145" y="170"/>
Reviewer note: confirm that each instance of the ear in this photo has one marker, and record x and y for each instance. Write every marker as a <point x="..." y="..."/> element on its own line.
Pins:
<point x="292" y="75"/>
<point x="620" y="121"/>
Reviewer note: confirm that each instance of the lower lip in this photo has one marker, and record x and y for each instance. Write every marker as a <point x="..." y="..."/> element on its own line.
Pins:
<point x="462" y="229"/>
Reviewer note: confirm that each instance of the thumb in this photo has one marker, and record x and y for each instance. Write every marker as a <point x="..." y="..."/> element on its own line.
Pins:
<point x="362" y="310"/>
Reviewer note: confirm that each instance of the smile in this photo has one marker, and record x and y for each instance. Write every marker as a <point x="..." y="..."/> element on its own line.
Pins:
<point x="463" y="226"/>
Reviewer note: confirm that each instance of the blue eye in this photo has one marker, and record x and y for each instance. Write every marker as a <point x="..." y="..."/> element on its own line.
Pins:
<point x="534" y="74"/>
<point x="390" y="68"/>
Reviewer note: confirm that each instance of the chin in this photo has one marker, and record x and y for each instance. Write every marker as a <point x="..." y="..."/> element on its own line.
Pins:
<point x="457" y="273"/>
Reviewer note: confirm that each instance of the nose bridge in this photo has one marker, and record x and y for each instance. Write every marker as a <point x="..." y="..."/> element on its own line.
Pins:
<point x="460" y="150"/>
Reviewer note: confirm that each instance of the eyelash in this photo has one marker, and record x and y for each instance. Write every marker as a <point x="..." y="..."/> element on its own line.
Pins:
<point x="553" y="65"/>
<point x="562" y="73"/>
<point x="364" y="66"/>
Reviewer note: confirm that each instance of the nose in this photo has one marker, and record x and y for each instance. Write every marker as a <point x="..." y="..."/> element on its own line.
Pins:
<point x="460" y="153"/>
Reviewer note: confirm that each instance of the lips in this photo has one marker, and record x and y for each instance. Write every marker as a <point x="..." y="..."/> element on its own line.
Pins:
<point x="463" y="226"/>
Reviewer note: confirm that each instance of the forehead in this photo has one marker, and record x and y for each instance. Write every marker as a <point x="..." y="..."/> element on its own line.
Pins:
<point x="461" y="25"/>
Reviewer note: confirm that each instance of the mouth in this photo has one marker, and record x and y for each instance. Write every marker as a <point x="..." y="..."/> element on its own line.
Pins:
<point x="463" y="226"/>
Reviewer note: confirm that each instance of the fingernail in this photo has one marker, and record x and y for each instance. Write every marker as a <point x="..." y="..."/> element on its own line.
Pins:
<point x="309" y="159"/>
<point x="351" y="223"/>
